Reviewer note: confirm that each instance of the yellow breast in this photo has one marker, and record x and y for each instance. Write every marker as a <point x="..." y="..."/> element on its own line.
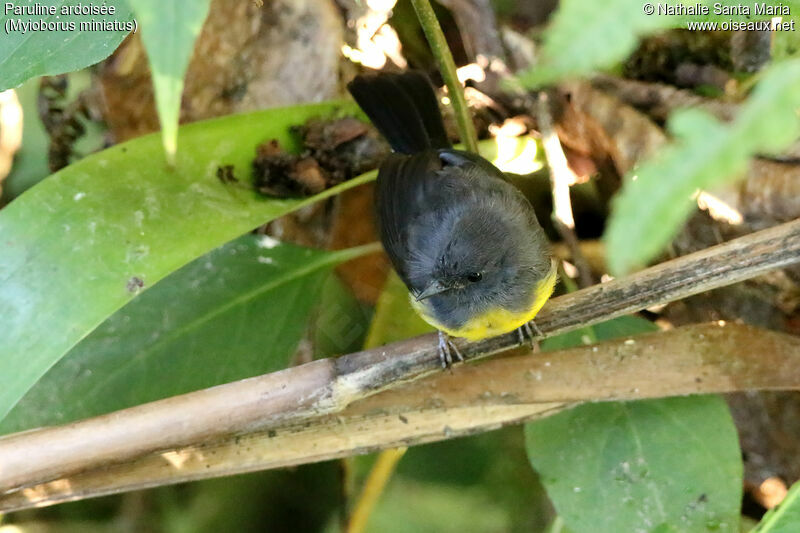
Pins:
<point x="496" y="321"/>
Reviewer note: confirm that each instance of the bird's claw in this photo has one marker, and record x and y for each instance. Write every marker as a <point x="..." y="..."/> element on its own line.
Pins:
<point x="447" y="351"/>
<point x="528" y="333"/>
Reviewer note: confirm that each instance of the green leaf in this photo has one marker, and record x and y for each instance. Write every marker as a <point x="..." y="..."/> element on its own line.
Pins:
<point x="654" y="466"/>
<point x="83" y="242"/>
<point x="236" y="312"/>
<point x="785" y="518"/>
<point x="169" y="30"/>
<point x="25" y="54"/>
<point x="641" y="466"/>
<point x="657" y="198"/>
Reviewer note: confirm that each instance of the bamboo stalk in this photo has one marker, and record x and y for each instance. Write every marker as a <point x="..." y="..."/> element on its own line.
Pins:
<point x="705" y="358"/>
<point x="329" y="385"/>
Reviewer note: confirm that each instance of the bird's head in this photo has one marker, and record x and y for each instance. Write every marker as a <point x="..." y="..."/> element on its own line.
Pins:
<point x="476" y="262"/>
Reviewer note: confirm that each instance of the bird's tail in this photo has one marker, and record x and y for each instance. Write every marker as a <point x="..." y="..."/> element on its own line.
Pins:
<point x="404" y="109"/>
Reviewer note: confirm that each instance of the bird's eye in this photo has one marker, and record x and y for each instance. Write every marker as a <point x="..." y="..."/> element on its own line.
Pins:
<point x="474" y="276"/>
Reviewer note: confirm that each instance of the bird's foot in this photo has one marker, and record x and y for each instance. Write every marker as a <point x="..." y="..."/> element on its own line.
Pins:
<point x="528" y="333"/>
<point x="448" y="352"/>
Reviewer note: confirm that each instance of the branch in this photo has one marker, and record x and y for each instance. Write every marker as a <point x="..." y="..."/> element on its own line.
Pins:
<point x="329" y="385"/>
<point x="709" y="358"/>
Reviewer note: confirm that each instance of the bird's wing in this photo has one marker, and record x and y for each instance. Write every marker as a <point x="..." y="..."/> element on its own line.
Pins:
<point x="406" y="190"/>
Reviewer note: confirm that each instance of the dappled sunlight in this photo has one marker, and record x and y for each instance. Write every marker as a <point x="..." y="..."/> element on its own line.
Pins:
<point x="179" y="458"/>
<point x="472" y="71"/>
<point x="375" y="39"/>
<point x="38" y="495"/>
<point x="718" y="208"/>
<point x="518" y="155"/>
<point x="10" y="129"/>
<point x="771" y="492"/>
<point x="569" y="269"/>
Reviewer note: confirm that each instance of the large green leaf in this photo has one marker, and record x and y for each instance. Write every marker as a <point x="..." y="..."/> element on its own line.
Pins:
<point x="657" y="198"/>
<point x="169" y="30"/>
<point x="85" y="241"/>
<point x="786" y="517"/>
<point x="655" y="465"/>
<point x="25" y="54"/>
<point x="641" y="466"/>
<point x="233" y="313"/>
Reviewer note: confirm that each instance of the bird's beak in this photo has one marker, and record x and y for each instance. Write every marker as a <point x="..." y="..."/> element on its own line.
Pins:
<point x="434" y="287"/>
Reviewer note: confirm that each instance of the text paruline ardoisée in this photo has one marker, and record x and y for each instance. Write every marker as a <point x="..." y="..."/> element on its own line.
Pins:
<point x="35" y="8"/>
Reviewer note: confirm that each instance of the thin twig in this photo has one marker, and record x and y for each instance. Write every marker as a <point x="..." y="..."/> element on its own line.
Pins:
<point x="329" y="385"/>
<point x="559" y="182"/>
<point x="433" y="32"/>
<point x="347" y="475"/>
<point x="384" y="466"/>
<point x="473" y="398"/>
<point x="378" y="478"/>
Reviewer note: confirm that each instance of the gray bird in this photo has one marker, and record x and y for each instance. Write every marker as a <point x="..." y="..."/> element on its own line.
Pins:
<point x="465" y="241"/>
